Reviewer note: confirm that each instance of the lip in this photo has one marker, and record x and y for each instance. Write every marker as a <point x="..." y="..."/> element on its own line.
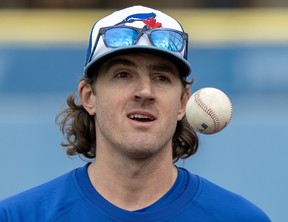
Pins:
<point x="150" y="115"/>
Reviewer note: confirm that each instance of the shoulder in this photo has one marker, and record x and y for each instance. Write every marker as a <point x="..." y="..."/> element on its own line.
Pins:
<point x="35" y="204"/>
<point x="225" y="205"/>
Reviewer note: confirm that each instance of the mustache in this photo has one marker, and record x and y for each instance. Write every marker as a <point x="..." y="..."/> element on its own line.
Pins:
<point x="147" y="106"/>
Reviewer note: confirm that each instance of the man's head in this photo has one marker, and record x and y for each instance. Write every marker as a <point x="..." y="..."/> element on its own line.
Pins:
<point x="137" y="29"/>
<point x="153" y="37"/>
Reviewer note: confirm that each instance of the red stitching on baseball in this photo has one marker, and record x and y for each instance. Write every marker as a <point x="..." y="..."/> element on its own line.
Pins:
<point x="208" y="110"/>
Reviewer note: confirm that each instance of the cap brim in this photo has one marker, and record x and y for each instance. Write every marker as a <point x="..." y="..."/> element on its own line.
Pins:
<point x="182" y="64"/>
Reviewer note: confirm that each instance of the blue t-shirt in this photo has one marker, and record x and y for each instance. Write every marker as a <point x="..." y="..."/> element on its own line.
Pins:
<point x="72" y="197"/>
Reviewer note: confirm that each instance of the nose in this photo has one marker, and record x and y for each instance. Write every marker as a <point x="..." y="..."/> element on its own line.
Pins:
<point x="144" y="90"/>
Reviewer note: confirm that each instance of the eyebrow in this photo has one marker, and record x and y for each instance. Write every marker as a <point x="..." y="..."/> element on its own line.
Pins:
<point x="118" y="61"/>
<point x="163" y="67"/>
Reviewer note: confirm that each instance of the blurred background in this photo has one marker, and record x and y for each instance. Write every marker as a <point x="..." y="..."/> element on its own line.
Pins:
<point x="240" y="47"/>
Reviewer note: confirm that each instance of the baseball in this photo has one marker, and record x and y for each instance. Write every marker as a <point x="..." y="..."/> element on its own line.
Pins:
<point x="208" y="110"/>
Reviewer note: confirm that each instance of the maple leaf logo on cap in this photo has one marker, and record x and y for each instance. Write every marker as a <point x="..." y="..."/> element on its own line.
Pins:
<point x="151" y="23"/>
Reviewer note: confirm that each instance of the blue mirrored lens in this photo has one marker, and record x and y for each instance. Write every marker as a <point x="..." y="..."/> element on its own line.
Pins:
<point x="167" y="39"/>
<point x="120" y="37"/>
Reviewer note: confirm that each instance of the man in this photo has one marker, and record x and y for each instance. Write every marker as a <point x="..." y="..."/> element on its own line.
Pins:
<point x="131" y="122"/>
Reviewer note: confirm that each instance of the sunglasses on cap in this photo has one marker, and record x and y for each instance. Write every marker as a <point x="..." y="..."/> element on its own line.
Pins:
<point x="124" y="36"/>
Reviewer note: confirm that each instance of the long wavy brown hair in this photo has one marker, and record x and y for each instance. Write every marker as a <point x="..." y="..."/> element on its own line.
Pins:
<point x="78" y="126"/>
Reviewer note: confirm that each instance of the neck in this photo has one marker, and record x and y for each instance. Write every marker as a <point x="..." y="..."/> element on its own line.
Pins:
<point x="132" y="184"/>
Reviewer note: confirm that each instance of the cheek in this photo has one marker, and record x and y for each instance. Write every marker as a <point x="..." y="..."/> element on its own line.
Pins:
<point x="105" y="115"/>
<point x="104" y="105"/>
<point x="108" y="105"/>
<point x="173" y="106"/>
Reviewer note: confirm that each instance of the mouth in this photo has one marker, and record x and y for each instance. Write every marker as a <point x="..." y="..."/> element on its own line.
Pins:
<point x="141" y="117"/>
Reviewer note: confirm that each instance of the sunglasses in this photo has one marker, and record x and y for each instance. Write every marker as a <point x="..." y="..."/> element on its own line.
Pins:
<point x="123" y="36"/>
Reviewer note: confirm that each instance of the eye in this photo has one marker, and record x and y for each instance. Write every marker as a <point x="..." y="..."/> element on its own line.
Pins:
<point x="122" y="75"/>
<point x="162" y="78"/>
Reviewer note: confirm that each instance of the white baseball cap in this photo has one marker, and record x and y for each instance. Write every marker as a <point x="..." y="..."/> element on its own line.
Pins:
<point x="137" y="17"/>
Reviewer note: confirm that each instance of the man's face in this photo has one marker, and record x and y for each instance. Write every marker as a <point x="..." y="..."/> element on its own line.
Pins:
<point x="138" y="100"/>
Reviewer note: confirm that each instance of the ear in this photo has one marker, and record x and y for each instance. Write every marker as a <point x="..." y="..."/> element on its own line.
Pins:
<point x="184" y="99"/>
<point x="87" y="97"/>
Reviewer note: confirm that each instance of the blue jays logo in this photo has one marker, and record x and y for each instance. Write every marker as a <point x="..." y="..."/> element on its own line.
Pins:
<point x="147" y="18"/>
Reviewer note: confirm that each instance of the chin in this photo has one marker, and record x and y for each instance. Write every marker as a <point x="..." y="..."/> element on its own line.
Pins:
<point x="144" y="150"/>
